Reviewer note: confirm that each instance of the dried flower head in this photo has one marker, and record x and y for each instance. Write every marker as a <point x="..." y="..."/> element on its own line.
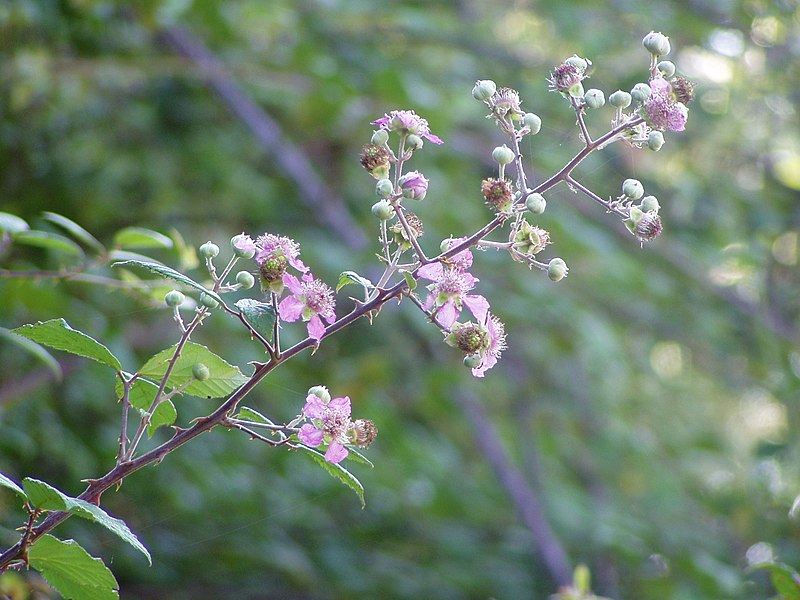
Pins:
<point x="375" y="158"/>
<point x="498" y="194"/>
<point x="362" y="433"/>
<point x="566" y="77"/>
<point x="649" y="227"/>
<point x="505" y="101"/>
<point x="682" y="89"/>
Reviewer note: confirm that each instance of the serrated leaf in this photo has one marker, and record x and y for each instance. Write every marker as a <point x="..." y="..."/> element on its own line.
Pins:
<point x="141" y="395"/>
<point x="12" y="223"/>
<point x="260" y="315"/>
<point x="170" y="273"/>
<point x="410" y="281"/>
<point x="139" y="237"/>
<point x="44" y="496"/>
<point x="50" y="241"/>
<point x="36" y="349"/>
<point x="337" y="472"/>
<point x="349" y="277"/>
<point x="224" y="377"/>
<point x="72" y="571"/>
<point x="56" y="333"/>
<point x="248" y="414"/>
<point x="75" y="230"/>
<point x="356" y="456"/>
<point x="9" y="483"/>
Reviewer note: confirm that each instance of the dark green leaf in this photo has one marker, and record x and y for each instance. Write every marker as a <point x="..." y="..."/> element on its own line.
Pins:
<point x="6" y="482"/>
<point x="78" y="232"/>
<point x="170" y="273"/>
<point x="349" y="277"/>
<point x="336" y="471"/>
<point x="248" y="414"/>
<point x="43" y="496"/>
<point x="139" y="237"/>
<point x="51" y="241"/>
<point x="56" y="333"/>
<point x="410" y="281"/>
<point x="260" y="315"/>
<point x="141" y="395"/>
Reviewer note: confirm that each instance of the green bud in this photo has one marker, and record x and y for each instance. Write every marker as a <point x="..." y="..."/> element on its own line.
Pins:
<point x="641" y="92"/>
<point x="208" y="301"/>
<point x="636" y="214"/>
<point x="200" y="371"/>
<point x="209" y="250"/>
<point x="379" y="138"/>
<point x="174" y="298"/>
<point x="383" y="210"/>
<point x="503" y="155"/>
<point x="243" y="246"/>
<point x="656" y="44"/>
<point x="620" y="99"/>
<point x="472" y="361"/>
<point x="667" y="68"/>
<point x="321" y="392"/>
<point x="576" y="61"/>
<point x="655" y="140"/>
<point x="384" y="188"/>
<point x="536" y="204"/>
<point x="484" y="89"/>
<point x="245" y="279"/>
<point x="557" y="269"/>
<point x="633" y="189"/>
<point x="650" y="204"/>
<point x="414" y="142"/>
<point x="445" y="245"/>
<point x="594" y="98"/>
<point x="533" y="122"/>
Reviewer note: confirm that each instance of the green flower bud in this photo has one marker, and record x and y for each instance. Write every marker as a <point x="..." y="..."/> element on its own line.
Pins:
<point x="620" y="99"/>
<point x="656" y="44"/>
<point x="667" y="68"/>
<point x="209" y="250"/>
<point x="379" y="138"/>
<point x="557" y="269"/>
<point x="472" y="361"/>
<point x="413" y="142"/>
<point x="384" y="188"/>
<point x="655" y="140"/>
<point x="383" y="210"/>
<point x="208" y="301"/>
<point x="245" y="279"/>
<point x="536" y="204"/>
<point x="174" y="298"/>
<point x="641" y="92"/>
<point x="650" y="204"/>
<point x="321" y="392"/>
<point x="533" y="122"/>
<point x="445" y="245"/>
<point x="503" y="155"/>
<point x="633" y="189"/>
<point x="484" y="89"/>
<point x="576" y="61"/>
<point x="594" y="98"/>
<point x="635" y="214"/>
<point x="200" y="371"/>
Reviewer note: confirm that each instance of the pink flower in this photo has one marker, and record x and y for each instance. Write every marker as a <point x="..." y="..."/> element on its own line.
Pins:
<point x="449" y="293"/>
<point x="414" y="185"/>
<point x="310" y="300"/>
<point x="405" y="122"/>
<point x="270" y="245"/>
<point x="330" y="421"/>
<point x="494" y="347"/>
<point x="463" y="260"/>
<point x="243" y="245"/>
<point x="663" y="112"/>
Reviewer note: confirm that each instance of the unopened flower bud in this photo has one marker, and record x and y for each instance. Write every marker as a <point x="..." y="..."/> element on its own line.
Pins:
<point x="594" y="98"/>
<point x="174" y="298"/>
<point x="655" y="140"/>
<point x="557" y="269"/>
<point x="414" y="185"/>
<point x="414" y="142"/>
<point x="209" y="250"/>
<point x="321" y="392"/>
<point x="444" y="246"/>
<point x="576" y="61"/>
<point x="503" y="155"/>
<point x="383" y="210"/>
<point x="633" y="189"/>
<point x="379" y="138"/>
<point x="243" y="246"/>
<point x="208" y="301"/>
<point x="650" y="204"/>
<point x="384" y="188"/>
<point x="484" y="89"/>
<point x="641" y="92"/>
<point x="472" y="361"/>
<point x="656" y="44"/>
<point x="533" y="122"/>
<point x="667" y="68"/>
<point x="620" y="99"/>
<point x="362" y="433"/>
<point x="245" y="279"/>
<point x="536" y="204"/>
<point x="200" y="371"/>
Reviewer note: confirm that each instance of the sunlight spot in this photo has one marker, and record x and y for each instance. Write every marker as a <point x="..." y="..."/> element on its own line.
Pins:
<point x="784" y="248"/>
<point x="666" y="359"/>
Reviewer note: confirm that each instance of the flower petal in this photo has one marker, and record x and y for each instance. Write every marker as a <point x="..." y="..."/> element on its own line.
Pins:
<point x="340" y="405"/>
<point x="477" y="305"/>
<point x="314" y="407"/>
<point x="315" y="327"/>
<point x="336" y="453"/>
<point x="432" y="271"/>
<point x="310" y="435"/>
<point x="291" y="308"/>
<point x="448" y="314"/>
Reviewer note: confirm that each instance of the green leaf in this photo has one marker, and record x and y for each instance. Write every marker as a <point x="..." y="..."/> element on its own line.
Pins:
<point x="349" y="277"/>
<point x="76" y="231"/>
<point x="139" y="237"/>
<point x="224" y="377"/>
<point x="72" y="571"/>
<point x="45" y="497"/>
<point x="337" y="472"/>
<point x="356" y="456"/>
<point x="785" y="579"/>
<point x="6" y="482"/>
<point x="51" y="241"/>
<point x="141" y="395"/>
<point x="36" y="349"/>
<point x="56" y="333"/>
<point x="12" y="223"/>
<point x="410" y="281"/>
<point x="248" y="414"/>
<point x="170" y="273"/>
<point x="259" y="314"/>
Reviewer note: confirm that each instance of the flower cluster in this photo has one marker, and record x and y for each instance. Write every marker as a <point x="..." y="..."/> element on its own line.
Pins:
<point x="406" y="122"/>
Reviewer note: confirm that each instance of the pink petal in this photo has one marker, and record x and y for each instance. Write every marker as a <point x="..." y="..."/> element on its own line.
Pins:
<point x="314" y="407"/>
<point x="433" y="138"/>
<point x="292" y="283"/>
<point x="291" y="308"/>
<point x="310" y="435"/>
<point x="340" y="405"/>
<point x="477" y="305"/>
<point x="336" y="453"/>
<point x="297" y="264"/>
<point x="432" y="271"/>
<point x="316" y="328"/>
<point x="448" y="314"/>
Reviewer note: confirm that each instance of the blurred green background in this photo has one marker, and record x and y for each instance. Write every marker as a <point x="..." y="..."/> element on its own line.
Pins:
<point x="648" y="402"/>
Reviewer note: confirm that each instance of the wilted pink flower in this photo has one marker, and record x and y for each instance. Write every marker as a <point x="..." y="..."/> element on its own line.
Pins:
<point x="270" y="245"/>
<point x="414" y="185"/>
<point x="663" y="112"/>
<point x="494" y="347"/>
<point x="310" y="300"/>
<point x="449" y="293"/>
<point x="405" y="122"/>
<point x="330" y="422"/>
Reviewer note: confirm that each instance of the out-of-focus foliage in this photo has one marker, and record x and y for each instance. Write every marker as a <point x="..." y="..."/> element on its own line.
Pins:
<point x="651" y="398"/>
